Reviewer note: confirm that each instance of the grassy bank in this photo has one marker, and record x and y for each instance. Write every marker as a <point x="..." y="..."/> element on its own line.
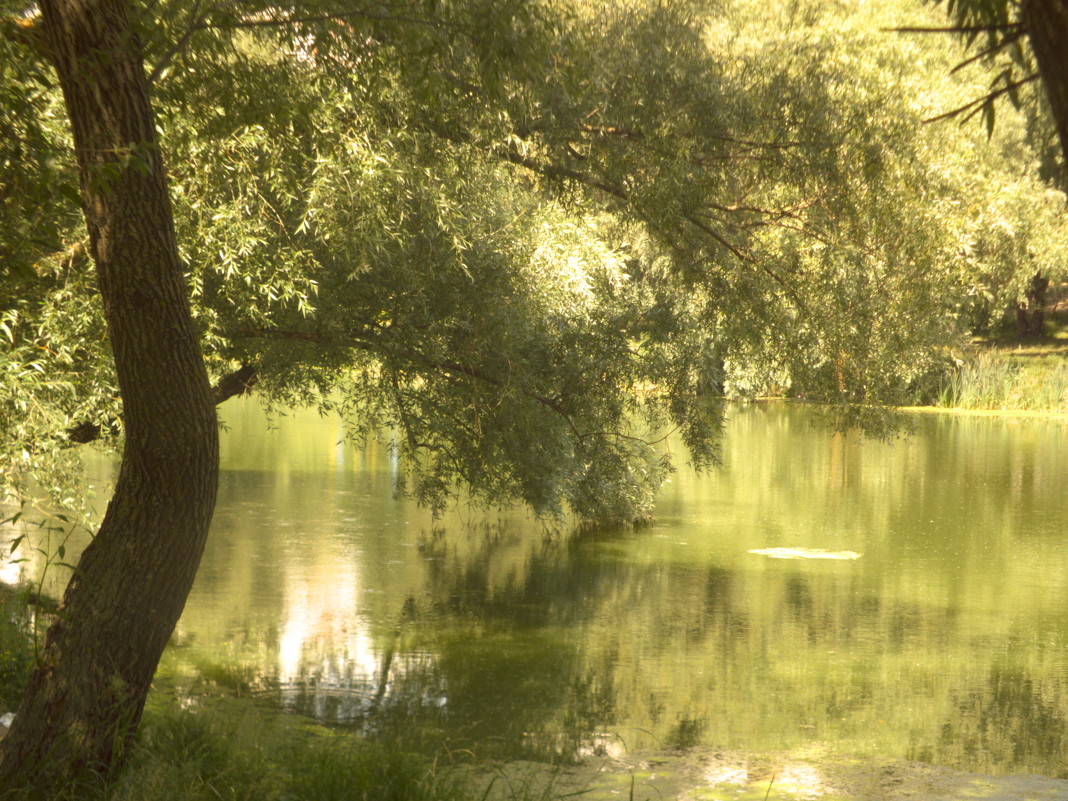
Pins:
<point x="1010" y="374"/>
<point x="235" y="750"/>
<point x="1004" y="379"/>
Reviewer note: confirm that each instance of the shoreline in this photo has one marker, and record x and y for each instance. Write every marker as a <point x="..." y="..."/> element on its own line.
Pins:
<point x="810" y="773"/>
<point x="1026" y="413"/>
<point x="1030" y="413"/>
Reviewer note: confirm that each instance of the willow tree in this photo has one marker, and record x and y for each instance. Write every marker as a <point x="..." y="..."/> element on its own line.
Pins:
<point x="518" y="234"/>
<point x="89" y="686"/>
<point x="1018" y="45"/>
<point x="1021" y="44"/>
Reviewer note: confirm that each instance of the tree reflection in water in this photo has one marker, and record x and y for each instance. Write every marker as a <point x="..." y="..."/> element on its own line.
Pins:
<point x="945" y="641"/>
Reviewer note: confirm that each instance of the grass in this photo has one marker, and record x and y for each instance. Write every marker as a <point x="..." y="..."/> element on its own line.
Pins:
<point x="1006" y="373"/>
<point x="238" y="752"/>
<point x="999" y="380"/>
<point x="235" y="751"/>
<point x="230" y="749"/>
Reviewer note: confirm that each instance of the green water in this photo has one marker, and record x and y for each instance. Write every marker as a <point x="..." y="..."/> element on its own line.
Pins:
<point x="946" y="641"/>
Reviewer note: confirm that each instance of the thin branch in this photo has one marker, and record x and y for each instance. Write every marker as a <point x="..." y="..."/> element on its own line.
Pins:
<point x="612" y="130"/>
<point x="338" y="15"/>
<point x="637" y="135"/>
<point x="707" y="229"/>
<point x="974" y="106"/>
<point x="281" y="22"/>
<point x="474" y="372"/>
<point x="1008" y="40"/>
<point x="555" y="171"/>
<point x="754" y="144"/>
<point x="179" y="45"/>
<point x="793" y="211"/>
<point x="772" y="222"/>
<point x="631" y="437"/>
<point x="276" y="333"/>
<point x="1009" y="26"/>
<point x="448" y="366"/>
<point x="411" y="355"/>
<point x="575" y="154"/>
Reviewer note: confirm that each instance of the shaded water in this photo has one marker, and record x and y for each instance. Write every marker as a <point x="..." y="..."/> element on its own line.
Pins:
<point x="946" y="641"/>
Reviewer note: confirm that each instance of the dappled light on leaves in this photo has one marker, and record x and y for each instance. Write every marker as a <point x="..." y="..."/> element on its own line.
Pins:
<point x="529" y="239"/>
<point x="520" y="247"/>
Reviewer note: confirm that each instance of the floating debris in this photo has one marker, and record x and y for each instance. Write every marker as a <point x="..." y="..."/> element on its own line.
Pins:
<point x="804" y="553"/>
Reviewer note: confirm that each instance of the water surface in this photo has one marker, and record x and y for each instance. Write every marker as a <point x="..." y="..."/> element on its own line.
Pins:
<point x="945" y="641"/>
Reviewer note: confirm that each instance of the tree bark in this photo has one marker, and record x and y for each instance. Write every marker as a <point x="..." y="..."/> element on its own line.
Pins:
<point x="239" y="382"/>
<point x="87" y="692"/>
<point x="1046" y="23"/>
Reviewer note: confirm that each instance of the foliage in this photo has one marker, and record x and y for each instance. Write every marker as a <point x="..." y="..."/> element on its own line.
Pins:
<point x="994" y="29"/>
<point x="16" y="648"/>
<point x="1000" y="41"/>
<point x="990" y="380"/>
<point x="525" y="235"/>
<point x="1020" y="225"/>
<point x="55" y="367"/>
<point x="233" y="751"/>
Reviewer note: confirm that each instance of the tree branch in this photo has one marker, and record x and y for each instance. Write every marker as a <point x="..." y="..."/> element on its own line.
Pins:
<point x="708" y="230"/>
<point x="558" y="172"/>
<point x="409" y="354"/>
<point x="755" y="145"/>
<point x="280" y="22"/>
<point x="239" y="382"/>
<point x="974" y="106"/>
<point x="555" y="171"/>
<point x="179" y="45"/>
<point x="1008" y="26"/>
<point x="336" y="15"/>
<point x="612" y="130"/>
<point x="1015" y="36"/>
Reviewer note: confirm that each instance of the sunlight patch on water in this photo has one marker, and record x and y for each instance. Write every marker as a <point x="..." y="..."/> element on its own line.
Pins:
<point x="795" y="779"/>
<point x="804" y="553"/>
<point x="801" y="781"/>
<point x="728" y="774"/>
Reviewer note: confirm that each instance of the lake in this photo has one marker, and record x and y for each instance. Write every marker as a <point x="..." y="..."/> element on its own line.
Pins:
<point x="940" y="635"/>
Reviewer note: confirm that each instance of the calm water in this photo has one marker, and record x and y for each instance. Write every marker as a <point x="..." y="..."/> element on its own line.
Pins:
<point x="946" y="641"/>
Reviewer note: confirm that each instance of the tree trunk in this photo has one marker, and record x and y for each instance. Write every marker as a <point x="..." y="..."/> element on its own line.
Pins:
<point x="86" y="695"/>
<point x="1046" y="23"/>
<point x="1031" y="314"/>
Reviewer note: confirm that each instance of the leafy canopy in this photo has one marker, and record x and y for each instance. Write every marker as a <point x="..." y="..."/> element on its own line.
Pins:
<point x="523" y="235"/>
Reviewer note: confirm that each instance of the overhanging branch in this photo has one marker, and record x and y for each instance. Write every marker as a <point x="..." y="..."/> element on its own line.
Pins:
<point x="976" y="105"/>
<point x="443" y="365"/>
<point x="1013" y="37"/>
<point x="203" y="24"/>
<point x="959" y="29"/>
<point x="239" y="382"/>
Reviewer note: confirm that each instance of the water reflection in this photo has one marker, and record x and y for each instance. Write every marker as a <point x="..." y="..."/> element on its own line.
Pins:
<point x="945" y="641"/>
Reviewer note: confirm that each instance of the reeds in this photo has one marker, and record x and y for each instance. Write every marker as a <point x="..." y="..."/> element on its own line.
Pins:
<point x="997" y="381"/>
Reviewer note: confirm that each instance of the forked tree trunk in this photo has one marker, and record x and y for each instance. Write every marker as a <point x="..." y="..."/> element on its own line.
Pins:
<point x="85" y="697"/>
<point x="1046" y="23"/>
